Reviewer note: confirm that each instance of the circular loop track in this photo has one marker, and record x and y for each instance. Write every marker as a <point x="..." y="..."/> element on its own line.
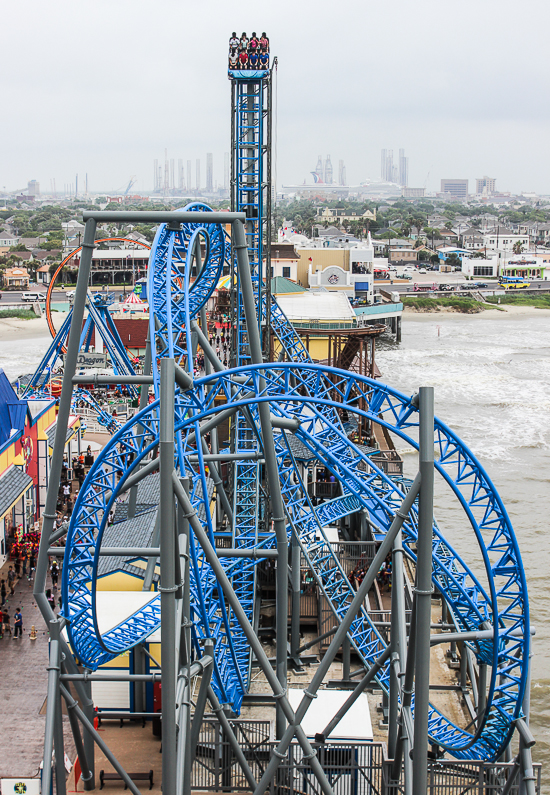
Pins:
<point x="314" y="395"/>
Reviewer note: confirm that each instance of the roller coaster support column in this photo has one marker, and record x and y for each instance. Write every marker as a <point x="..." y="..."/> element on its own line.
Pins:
<point x="295" y="615"/>
<point x="143" y="400"/>
<point x="168" y="576"/>
<point x="272" y="470"/>
<point x="423" y="590"/>
<point x="343" y="628"/>
<point x="527" y="779"/>
<point x="63" y="414"/>
<point x="278" y="690"/>
<point x="398" y="641"/>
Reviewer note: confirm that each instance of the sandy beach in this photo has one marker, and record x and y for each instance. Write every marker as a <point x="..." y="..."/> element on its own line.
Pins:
<point x="12" y="329"/>
<point x="504" y="310"/>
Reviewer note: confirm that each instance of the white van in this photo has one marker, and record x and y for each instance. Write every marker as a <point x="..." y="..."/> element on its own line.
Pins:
<point x="33" y="296"/>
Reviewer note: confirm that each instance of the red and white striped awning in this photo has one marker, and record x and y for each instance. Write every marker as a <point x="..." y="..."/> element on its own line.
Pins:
<point x="133" y="299"/>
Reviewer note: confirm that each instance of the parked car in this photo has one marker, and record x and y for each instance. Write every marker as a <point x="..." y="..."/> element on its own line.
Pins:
<point x="422" y="270"/>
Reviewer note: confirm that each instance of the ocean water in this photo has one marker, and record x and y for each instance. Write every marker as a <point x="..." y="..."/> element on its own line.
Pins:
<point x="20" y="357"/>
<point x="491" y="376"/>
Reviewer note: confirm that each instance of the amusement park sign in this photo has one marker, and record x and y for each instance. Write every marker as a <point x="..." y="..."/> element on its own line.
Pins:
<point x="98" y="360"/>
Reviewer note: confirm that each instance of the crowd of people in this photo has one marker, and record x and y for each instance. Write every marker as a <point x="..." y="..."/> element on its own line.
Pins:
<point x="248" y="53"/>
<point x="383" y="577"/>
<point x="77" y="471"/>
<point x="22" y="568"/>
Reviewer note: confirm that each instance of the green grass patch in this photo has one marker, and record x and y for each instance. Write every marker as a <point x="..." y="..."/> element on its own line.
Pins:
<point x="520" y="299"/>
<point x="425" y="304"/>
<point x="20" y="314"/>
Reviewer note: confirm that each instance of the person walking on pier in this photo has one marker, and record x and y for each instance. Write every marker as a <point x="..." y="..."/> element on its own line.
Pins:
<point x="6" y="622"/>
<point x="54" y="572"/>
<point x="11" y="580"/>
<point x="18" y="623"/>
<point x="3" y="592"/>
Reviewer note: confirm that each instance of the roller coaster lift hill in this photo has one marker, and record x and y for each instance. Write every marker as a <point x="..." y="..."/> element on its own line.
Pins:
<point x="205" y="602"/>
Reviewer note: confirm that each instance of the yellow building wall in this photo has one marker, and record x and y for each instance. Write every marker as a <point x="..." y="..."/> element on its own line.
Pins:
<point x="122" y="661"/>
<point x="318" y="347"/>
<point x="154" y="650"/>
<point x="119" y="581"/>
<point x="7" y="458"/>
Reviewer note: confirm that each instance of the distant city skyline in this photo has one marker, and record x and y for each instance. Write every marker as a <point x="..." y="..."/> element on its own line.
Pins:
<point x="324" y="104"/>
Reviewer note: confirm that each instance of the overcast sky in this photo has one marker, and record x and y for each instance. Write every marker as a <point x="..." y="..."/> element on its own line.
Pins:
<point x="104" y="87"/>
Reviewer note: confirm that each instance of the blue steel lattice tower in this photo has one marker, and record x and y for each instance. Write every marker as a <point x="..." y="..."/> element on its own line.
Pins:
<point x="250" y="194"/>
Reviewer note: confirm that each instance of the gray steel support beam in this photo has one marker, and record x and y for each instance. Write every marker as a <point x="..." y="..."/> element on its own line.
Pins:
<point x="319" y="638"/>
<point x="230" y="734"/>
<point x="51" y="706"/>
<point x="152" y="562"/>
<point x="405" y="739"/>
<point x="85" y="774"/>
<point x="168" y="584"/>
<point x="346" y="622"/>
<point x="296" y="596"/>
<point x="219" y="367"/>
<point x="481" y="693"/>
<point x="89" y="747"/>
<point x="247" y="553"/>
<point x="526" y="739"/>
<point x="398" y="642"/>
<point x="97" y="380"/>
<point x="146" y="469"/>
<point x="49" y="514"/>
<point x="423" y="590"/>
<point x="271" y="468"/>
<point x="118" y="677"/>
<point x="200" y="703"/>
<point x="115" y="552"/>
<point x="143" y="399"/>
<point x="185" y="759"/>
<point x="160" y="217"/>
<point x="193" y="459"/>
<point x="96" y="737"/>
<point x="216" y="477"/>
<point x="323" y="736"/>
<point x="240" y="615"/>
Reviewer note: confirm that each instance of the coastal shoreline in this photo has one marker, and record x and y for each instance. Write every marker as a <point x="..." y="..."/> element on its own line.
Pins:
<point x="500" y="311"/>
<point x="13" y="329"/>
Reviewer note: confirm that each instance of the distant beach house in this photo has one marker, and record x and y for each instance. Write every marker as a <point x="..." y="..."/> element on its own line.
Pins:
<point x="15" y="278"/>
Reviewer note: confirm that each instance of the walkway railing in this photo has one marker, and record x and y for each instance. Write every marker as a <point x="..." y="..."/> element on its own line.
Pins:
<point x="353" y="768"/>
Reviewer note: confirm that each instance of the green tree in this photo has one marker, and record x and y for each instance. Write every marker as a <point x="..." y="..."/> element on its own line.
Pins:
<point x="517" y="247"/>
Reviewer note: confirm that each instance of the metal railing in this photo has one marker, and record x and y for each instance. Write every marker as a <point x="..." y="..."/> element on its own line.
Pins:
<point x="352" y="768"/>
<point x="323" y="489"/>
<point x="215" y="767"/>
<point x="389" y="461"/>
<point x="451" y="777"/>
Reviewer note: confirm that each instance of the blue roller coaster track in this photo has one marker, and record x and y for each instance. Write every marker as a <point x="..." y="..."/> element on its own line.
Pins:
<point x="489" y="591"/>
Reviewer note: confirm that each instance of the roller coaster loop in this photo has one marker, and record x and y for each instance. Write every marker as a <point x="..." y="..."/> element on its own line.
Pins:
<point x="488" y="592"/>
